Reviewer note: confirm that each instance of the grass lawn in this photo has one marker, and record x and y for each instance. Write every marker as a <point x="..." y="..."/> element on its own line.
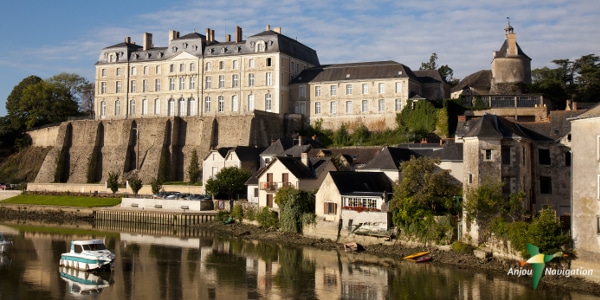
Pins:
<point x="62" y="201"/>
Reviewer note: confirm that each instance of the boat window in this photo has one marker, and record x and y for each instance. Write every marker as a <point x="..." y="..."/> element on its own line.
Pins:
<point x="94" y="247"/>
<point x="78" y="249"/>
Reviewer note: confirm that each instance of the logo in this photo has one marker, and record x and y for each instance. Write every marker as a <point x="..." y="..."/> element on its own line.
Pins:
<point x="538" y="262"/>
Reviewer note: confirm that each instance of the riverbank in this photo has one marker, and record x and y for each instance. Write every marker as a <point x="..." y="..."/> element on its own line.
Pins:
<point x="395" y="250"/>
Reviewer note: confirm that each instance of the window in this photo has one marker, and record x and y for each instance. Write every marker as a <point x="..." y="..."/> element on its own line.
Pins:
<point x="156" y="85"/>
<point x="156" y="106"/>
<point x="221" y="81"/>
<point x="171" y="108"/>
<point x="317" y="107"/>
<point x="172" y="68"/>
<point x="103" y="109"/>
<point x="317" y="91"/>
<point x="192" y="67"/>
<point x="291" y="65"/>
<point x="567" y="159"/>
<point x="251" y="102"/>
<point x="545" y="185"/>
<point x="181" y="68"/>
<point x="365" y="106"/>
<point x="192" y="107"/>
<point x="269" y="78"/>
<point x="208" y="66"/>
<point x="251" y="63"/>
<point x="268" y="61"/>
<point x="192" y="83"/>
<point x="207" y="104"/>
<point x="381" y="105"/>
<point x="348" y="89"/>
<point x="260" y="47"/>
<point x="381" y="88"/>
<point x="133" y="70"/>
<point x="398" y="105"/>
<point x="221" y="65"/>
<point x="302" y="108"/>
<point x="145" y="70"/>
<point x="506" y="186"/>
<point x="103" y="72"/>
<point x="132" y="107"/>
<point x="250" y="79"/>
<point x="487" y="155"/>
<point x="398" y="87"/>
<point x="145" y="85"/>
<point x="207" y="82"/>
<point x="235" y="81"/>
<point x="103" y="88"/>
<point x="330" y="208"/>
<point x="598" y="224"/>
<point x="235" y="65"/>
<point x="182" y="107"/>
<point x="332" y="90"/>
<point x="505" y="155"/>
<point x="181" y="83"/>
<point x="332" y="107"/>
<point x="302" y="91"/>
<point x="365" y="88"/>
<point x="544" y="156"/>
<point x="144" y="107"/>
<point x="234" y="103"/>
<point x="470" y="180"/>
<point x="268" y="102"/>
<point x="171" y="84"/>
<point x="157" y="70"/>
<point x="133" y="86"/>
<point x="221" y="104"/>
<point x="348" y="107"/>
<point x="118" y="71"/>
<point x="117" y="87"/>
<point x="117" y="108"/>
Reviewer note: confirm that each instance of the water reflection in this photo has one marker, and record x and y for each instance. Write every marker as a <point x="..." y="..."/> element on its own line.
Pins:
<point x="209" y="266"/>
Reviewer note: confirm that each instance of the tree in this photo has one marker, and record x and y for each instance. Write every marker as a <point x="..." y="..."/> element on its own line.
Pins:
<point x="13" y="108"/>
<point x="156" y="185"/>
<point x="113" y="181"/>
<point x="194" y="167"/>
<point x="80" y="89"/>
<point x="135" y="183"/>
<point x="424" y="193"/>
<point x="296" y="208"/>
<point x="445" y="71"/>
<point x="228" y="181"/>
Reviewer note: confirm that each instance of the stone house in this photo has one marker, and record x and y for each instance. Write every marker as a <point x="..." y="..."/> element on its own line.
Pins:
<point x="297" y="172"/>
<point x="243" y="157"/>
<point x="352" y="201"/>
<point x="585" y="147"/>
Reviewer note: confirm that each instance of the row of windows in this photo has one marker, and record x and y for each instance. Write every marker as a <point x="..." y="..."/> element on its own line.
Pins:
<point x="187" y="107"/>
<point x="349" y="89"/>
<point x="191" y="67"/>
<point x="364" y="107"/>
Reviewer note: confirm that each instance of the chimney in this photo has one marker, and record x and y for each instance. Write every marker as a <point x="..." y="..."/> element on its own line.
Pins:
<point x="299" y="140"/>
<point x="212" y="35"/>
<point x="511" y="38"/>
<point x="304" y="158"/>
<point x="173" y="35"/>
<point x="228" y="38"/>
<point x="268" y="27"/>
<point x="127" y="40"/>
<point x="147" y="41"/>
<point x="238" y="34"/>
<point x="208" y="35"/>
<point x="277" y="29"/>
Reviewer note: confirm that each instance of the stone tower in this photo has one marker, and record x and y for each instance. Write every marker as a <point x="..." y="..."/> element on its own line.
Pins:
<point x="511" y="67"/>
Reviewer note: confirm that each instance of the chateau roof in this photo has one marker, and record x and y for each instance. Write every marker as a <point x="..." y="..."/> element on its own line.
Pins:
<point x="481" y="79"/>
<point x="503" y="52"/>
<point x="429" y="76"/>
<point x="365" y="183"/>
<point x="355" y="71"/>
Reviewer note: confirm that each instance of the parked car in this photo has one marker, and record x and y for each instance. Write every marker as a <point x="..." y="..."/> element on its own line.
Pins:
<point x="2" y="186"/>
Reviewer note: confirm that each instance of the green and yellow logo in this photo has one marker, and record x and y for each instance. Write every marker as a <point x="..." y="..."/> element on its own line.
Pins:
<point x="538" y="262"/>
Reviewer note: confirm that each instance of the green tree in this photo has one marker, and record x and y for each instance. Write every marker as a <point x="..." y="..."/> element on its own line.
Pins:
<point x="14" y="109"/>
<point x="296" y="207"/>
<point x="445" y="71"/>
<point x="424" y="193"/>
<point x="135" y="183"/>
<point x="545" y="231"/>
<point x="80" y="88"/>
<point x="418" y="117"/>
<point x="341" y="137"/>
<point x="113" y="181"/>
<point x="156" y="185"/>
<point x="228" y="181"/>
<point x="194" y="168"/>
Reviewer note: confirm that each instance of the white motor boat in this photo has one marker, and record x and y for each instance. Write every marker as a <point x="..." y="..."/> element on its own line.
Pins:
<point x="88" y="255"/>
<point x="4" y="244"/>
<point x="83" y="283"/>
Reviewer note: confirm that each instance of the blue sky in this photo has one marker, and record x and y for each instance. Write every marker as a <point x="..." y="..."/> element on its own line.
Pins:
<point x="45" y="38"/>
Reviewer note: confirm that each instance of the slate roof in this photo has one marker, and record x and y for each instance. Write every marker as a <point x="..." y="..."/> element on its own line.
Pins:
<point x="289" y="46"/>
<point x="354" y="155"/>
<point x="451" y="152"/>
<point x="247" y="153"/>
<point x="494" y="127"/>
<point x="429" y="76"/>
<point x="280" y="146"/>
<point x="558" y="126"/>
<point x="390" y="158"/>
<point x="301" y="171"/>
<point x="481" y="79"/>
<point x="503" y="52"/>
<point x="365" y="183"/>
<point x="593" y="112"/>
<point x="355" y="71"/>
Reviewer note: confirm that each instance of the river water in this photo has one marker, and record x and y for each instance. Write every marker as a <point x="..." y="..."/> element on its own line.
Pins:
<point x="204" y="265"/>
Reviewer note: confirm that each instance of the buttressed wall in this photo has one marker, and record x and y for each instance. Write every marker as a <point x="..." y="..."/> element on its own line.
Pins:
<point x="86" y="151"/>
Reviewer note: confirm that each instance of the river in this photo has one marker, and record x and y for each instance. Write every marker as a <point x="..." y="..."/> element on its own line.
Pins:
<point x="205" y="265"/>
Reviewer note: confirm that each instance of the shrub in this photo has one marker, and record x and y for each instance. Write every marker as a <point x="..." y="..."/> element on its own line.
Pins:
<point x="221" y="215"/>
<point x="462" y="247"/>
<point x="237" y="212"/>
<point x="267" y="218"/>
<point x="156" y="185"/>
<point x="250" y="213"/>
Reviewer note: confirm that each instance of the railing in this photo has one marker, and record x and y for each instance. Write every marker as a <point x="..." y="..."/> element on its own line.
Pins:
<point x="274" y="186"/>
<point x="500" y="101"/>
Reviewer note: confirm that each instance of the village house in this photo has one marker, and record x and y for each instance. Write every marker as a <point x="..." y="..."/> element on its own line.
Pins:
<point x="242" y="157"/>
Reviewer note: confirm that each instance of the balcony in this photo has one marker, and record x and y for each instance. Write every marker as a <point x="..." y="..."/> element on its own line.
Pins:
<point x="272" y="186"/>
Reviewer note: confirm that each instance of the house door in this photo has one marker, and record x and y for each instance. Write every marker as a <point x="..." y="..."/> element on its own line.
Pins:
<point x="270" y="200"/>
<point x="285" y="179"/>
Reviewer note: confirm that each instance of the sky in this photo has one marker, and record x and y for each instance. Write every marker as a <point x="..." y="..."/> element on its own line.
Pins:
<point x="45" y="38"/>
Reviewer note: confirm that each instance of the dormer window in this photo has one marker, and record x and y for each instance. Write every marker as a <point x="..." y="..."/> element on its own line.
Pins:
<point x="260" y="46"/>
